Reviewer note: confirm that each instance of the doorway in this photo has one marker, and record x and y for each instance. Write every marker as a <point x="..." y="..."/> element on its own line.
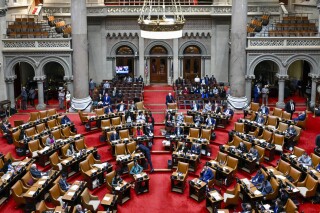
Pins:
<point x="158" y="65"/>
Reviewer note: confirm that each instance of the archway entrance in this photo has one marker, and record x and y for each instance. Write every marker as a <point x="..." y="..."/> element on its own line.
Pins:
<point x="192" y="62"/>
<point x="25" y="74"/>
<point x="54" y="79"/>
<point x="299" y="82"/>
<point x="158" y="65"/>
<point x="125" y="61"/>
<point x="265" y="74"/>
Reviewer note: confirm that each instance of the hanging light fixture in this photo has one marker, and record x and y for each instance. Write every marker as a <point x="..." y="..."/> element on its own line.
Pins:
<point x="155" y="23"/>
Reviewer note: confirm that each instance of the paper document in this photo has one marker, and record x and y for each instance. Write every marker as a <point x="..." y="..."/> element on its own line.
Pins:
<point x="257" y="192"/>
<point x="41" y="182"/>
<point x="74" y="187"/>
<point x="31" y="192"/>
<point x="280" y="177"/>
<point x="106" y="198"/>
<point x="118" y="188"/>
<point x="70" y="194"/>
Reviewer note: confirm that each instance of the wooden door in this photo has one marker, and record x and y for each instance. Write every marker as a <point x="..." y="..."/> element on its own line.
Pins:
<point x="191" y="67"/>
<point x="158" y="70"/>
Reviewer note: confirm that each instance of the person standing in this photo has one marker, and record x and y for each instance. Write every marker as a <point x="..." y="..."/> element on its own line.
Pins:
<point x="32" y="96"/>
<point x="24" y="98"/>
<point x="61" y="96"/>
<point x="92" y="85"/>
<point x="265" y="94"/>
<point x="290" y="107"/>
<point x="256" y="93"/>
<point x="146" y="151"/>
<point x="68" y="99"/>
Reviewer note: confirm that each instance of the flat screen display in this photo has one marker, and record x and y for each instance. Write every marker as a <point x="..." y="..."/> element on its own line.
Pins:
<point x="122" y="69"/>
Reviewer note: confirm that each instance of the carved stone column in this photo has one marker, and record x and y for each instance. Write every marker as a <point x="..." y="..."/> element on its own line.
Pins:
<point x="68" y="80"/>
<point x="315" y="79"/>
<point x="40" y="79"/>
<point x="175" y="61"/>
<point x="238" y="47"/>
<point x="141" y="61"/>
<point x="10" y="88"/>
<point x="249" y="79"/>
<point x="3" y="28"/>
<point x="281" y="81"/>
<point x="318" y="6"/>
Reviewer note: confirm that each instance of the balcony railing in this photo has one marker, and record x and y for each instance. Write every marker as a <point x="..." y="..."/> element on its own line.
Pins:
<point x="43" y="44"/>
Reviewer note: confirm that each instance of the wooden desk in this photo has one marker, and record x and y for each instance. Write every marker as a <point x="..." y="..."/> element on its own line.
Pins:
<point x="224" y="173"/>
<point x="213" y="201"/>
<point x="123" y="192"/>
<point x="141" y="183"/>
<point x="109" y="202"/>
<point x="197" y="189"/>
<point x="97" y="173"/>
<point x="72" y="196"/>
<point x="250" y="192"/>
<point x="178" y="182"/>
<point x="123" y="160"/>
<point x="60" y="209"/>
<point x="190" y="158"/>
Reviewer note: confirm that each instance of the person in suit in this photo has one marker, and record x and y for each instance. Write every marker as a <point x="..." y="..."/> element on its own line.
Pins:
<point x="178" y="130"/>
<point x="136" y="169"/>
<point x="301" y="117"/>
<point x="254" y="153"/>
<point x="305" y="160"/>
<point x="277" y="208"/>
<point x="128" y="117"/>
<point x="65" y="120"/>
<point x="264" y="109"/>
<point x="50" y="140"/>
<point x="121" y="107"/>
<point x="132" y="106"/>
<point x="258" y="179"/>
<point x="206" y="174"/>
<point x="242" y="147"/>
<point x="246" y="208"/>
<point x="116" y="180"/>
<point x="317" y="141"/>
<point x="290" y="107"/>
<point x="210" y="122"/>
<point x="180" y="118"/>
<point x="114" y="136"/>
<point x="197" y="120"/>
<point x="108" y="109"/>
<point x="196" y="148"/>
<point x="265" y="94"/>
<point x="283" y="196"/>
<point x="169" y="119"/>
<point x="216" y="109"/>
<point x="24" y="98"/>
<point x="169" y="99"/>
<point x="64" y="185"/>
<point x="7" y="167"/>
<point x="138" y="132"/>
<point x="265" y="187"/>
<point x="183" y="148"/>
<point x="141" y="118"/>
<point x="79" y="209"/>
<point x="146" y="151"/>
<point x="228" y="112"/>
<point x="35" y="172"/>
<point x="70" y="151"/>
<point x="256" y="93"/>
<point x="106" y="99"/>
<point x="207" y="107"/>
<point x="148" y="129"/>
<point x="92" y="85"/>
<point x="195" y="106"/>
<point x="291" y="131"/>
<point x="140" y="79"/>
<point x="260" y="118"/>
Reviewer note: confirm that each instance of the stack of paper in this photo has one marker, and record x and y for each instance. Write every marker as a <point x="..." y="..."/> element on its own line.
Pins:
<point x="74" y="187"/>
<point x="70" y="194"/>
<point x="257" y="192"/>
<point x="106" y="198"/>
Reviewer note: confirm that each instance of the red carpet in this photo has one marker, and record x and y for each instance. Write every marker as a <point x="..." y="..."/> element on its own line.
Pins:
<point x="160" y="199"/>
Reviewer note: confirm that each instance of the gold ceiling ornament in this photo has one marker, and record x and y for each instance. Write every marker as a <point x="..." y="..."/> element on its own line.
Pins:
<point x="161" y="19"/>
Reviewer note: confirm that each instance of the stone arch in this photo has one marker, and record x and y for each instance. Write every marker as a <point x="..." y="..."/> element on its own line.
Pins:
<point x="10" y="66"/>
<point x="193" y="43"/>
<point x="261" y="58"/>
<point x="312" y="62"/>
<point x="158" y="43"/>
<point x="120" y="44"/>
<point x="59" y="60"/>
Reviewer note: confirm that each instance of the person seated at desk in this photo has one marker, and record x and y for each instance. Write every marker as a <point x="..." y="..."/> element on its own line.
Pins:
<point x="196" y="148"/>
<point x="258" y="179"/>
<point x="141" y="118"/>
<point x="79" y="209"/>
<point x="108" y="110"/>
<point x="106" y="100"/>
<point x="301" y="117"/>
<point x="64" y="185"/>
<point x="121" y="107"/>
<point x="265" y="187"/>
<point x="66" y="120"/>
<point x="318" y="168"/>
<point x="183" y="148"/>
<point x="217" y="108"/>
<point x="254" y="153"/>
<point x="185" y="91"/>
<point x="136" y="169"/>
<point x="283" y="196"/>
<point x="169" y="120"/>
<point x="7" y="167"/>
<point x="116" y="180"/>
<point x="210" y="122"/>
<point x="228" y="112"/>
<point x="206" y="174"/>
<point x="305" y="160"/>
<point x="70" y="151"/>
<point x="291" y="131"/>
<point x="246" y="208"/>
<point x="178" y="130"/>
<point x="277" y="207"/>
<point x="197" y="120"/>
<point x="242" y="147"/>
<point x="180" y="118"/>
<point x="194" y="106"/>
<point x="148" y="129"/>
<point x="260" y="118"/>
<point x="264" y="110"/>
<point x="169" y="99"/>
<point x="50" y="140"/>
<point x="114" y="136"/>
<point x="138" y="132"/>
<point x="129" y="117"/>
<point x="36" y="173"/>
<point x="6" y="130"/>
<point x="132" y="106"/>
<point x="207" y="107"/>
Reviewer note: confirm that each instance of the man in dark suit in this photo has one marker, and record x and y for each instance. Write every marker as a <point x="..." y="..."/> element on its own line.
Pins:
<point x="291" y="131"/>
<point x="260" y="118"/>
<point x="265" y="188"/>
<point x="242" y="147"/>
<point x="228" y="112"/>
<point x="169" y="99"/>
<point x="256" y="93"/>
<point x="290" y="107"/>
<point x="216" y="109"/>
<point x="277" y="208"/>
<point x="254" y="153"/>
<point x="35" y="172"/>
<point x="64" y="185"/>
<point x="146" y="151"/>
<point x="106" y="100"/>
<point x="196" y="148"/>
<point x="206" y="174"/>
<point x="114" y="136"/>
<point x="108" y="110"/>
<point x="283" y="196"/>
<point x="121" y="107"/>
<point x="258" y="179"/>
<point x="210" y="122"/>
<point x="195" y="106"/>
<point x="301" y="117"/>
<point x="183" y="148"/>
<point x="264" y="109"/>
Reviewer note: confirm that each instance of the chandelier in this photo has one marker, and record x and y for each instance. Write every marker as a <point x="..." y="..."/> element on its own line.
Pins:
<point x="156" y="23"/>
